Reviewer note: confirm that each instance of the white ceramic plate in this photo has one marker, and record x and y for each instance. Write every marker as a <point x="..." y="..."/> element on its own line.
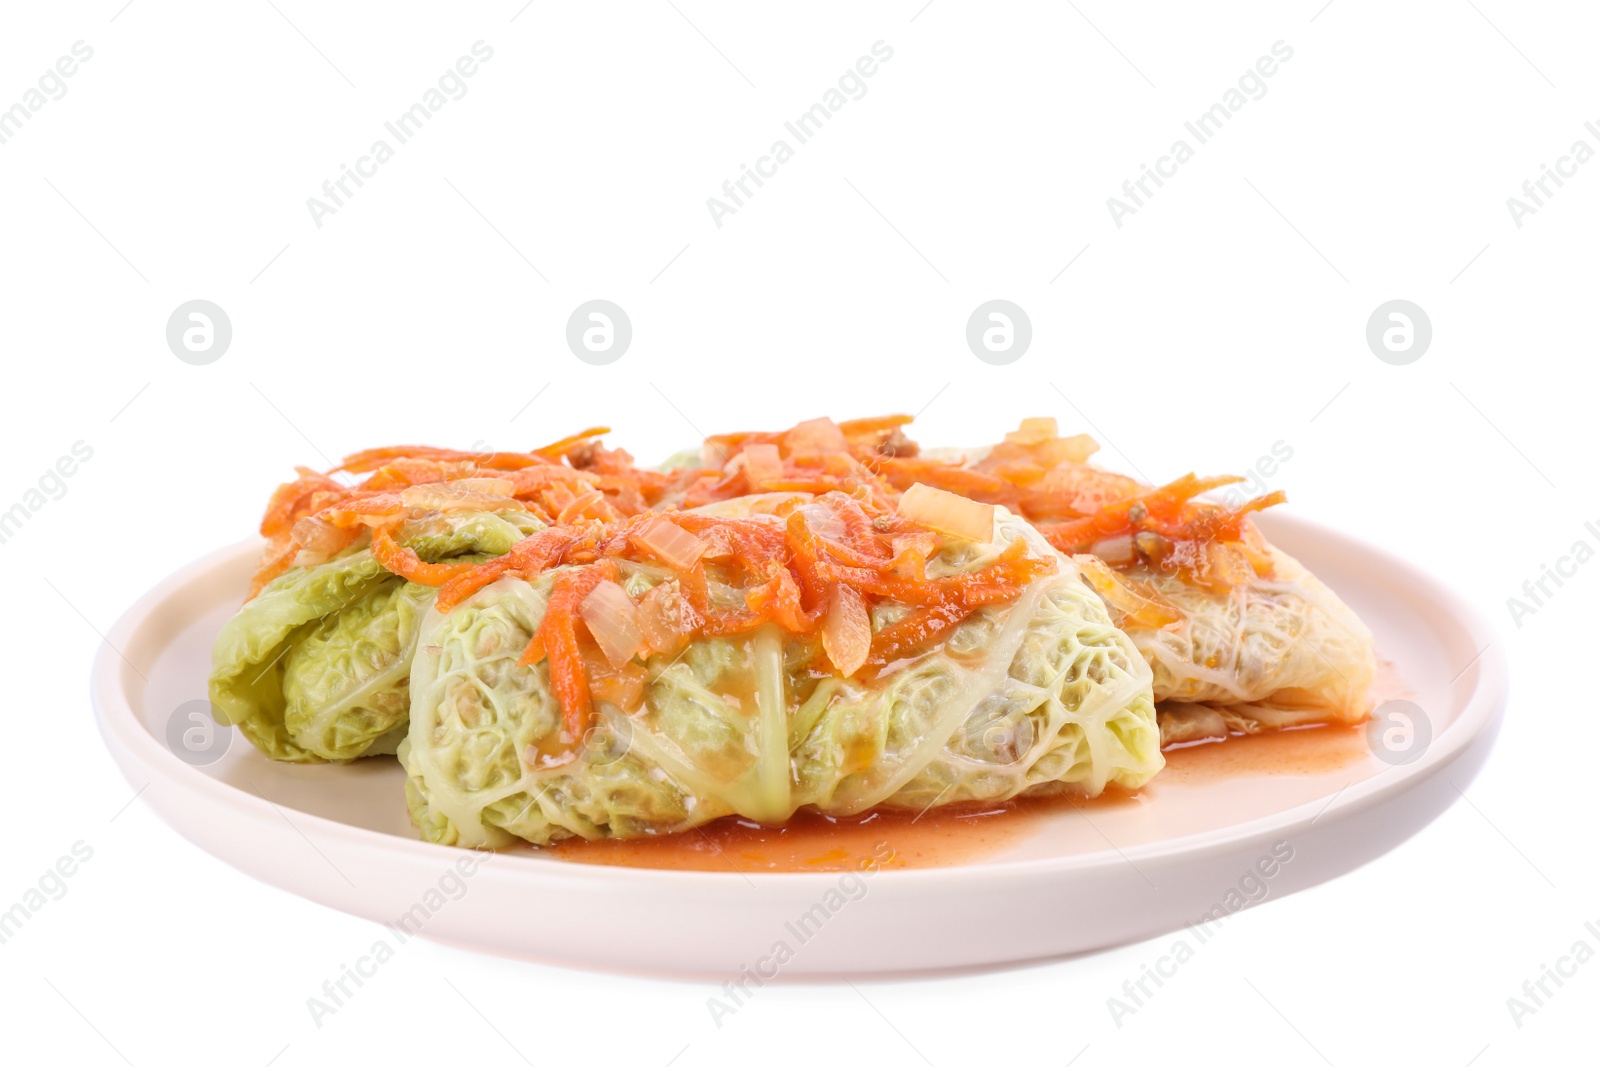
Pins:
<point x="1090" y="879"/>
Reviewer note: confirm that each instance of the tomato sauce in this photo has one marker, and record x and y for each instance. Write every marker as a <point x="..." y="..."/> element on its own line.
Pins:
<point x="951" y="835"/>
<point x="945" y="836"/>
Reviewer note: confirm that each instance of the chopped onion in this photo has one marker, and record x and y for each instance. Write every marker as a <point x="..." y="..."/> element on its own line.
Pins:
<point x="1137" y="603"/>
<point x="823" y="522"/>
<point x="815" y="437"/>
<point x="1117" y="551"/>
<point x="622" y="687"/>
<point x="320" y="540"/>
<point x="613" y="621"/>
<point x="762" y="464"/>
<point x="847" y="631"/>
<point x="670" y="543"/>
<point x="1033" y="432"/>
<point x="948" y="513"/>
<point x="666" y="619"/>
<point x="1075" y="449"/>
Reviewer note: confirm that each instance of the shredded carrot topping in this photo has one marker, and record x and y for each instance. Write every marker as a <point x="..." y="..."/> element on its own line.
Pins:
<point x="730" y="576"/>
<point x="562" y="447"/>
<point x="557" y="640"/>
<point x="272" y="567"/>
<point x="1034" y="472"/>
<point x="570" y="480"/>
<point x="405" y="562"/>
<point x="827" y="521"/>
<point x="917" y="630"/>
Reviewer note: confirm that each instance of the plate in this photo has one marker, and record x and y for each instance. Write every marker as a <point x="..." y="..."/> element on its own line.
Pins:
<point x="1193" y="848"/>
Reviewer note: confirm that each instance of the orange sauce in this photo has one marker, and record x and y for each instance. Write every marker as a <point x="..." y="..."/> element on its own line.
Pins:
<point x="952" y="835"/>
<point x="944" y="836"/>
<point x="1305" y="750"/>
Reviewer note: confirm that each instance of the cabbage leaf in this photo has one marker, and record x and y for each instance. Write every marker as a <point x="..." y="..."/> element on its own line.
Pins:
<point x="316" y="667"/>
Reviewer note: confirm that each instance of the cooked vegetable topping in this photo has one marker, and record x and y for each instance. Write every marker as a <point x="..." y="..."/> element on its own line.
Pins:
<point x="613" y="620"/>
<point x="818" y="571"/>
<point x="1207" y="545"/>
<point x="315" y="517"/>
<point x="1034" y="472"/>
<point x="839" y="518"/>
<point x="948" y="513"/>
<point x="405" y="562"/>
<point x="670" y="543"/>
<point x="847" y="631"/>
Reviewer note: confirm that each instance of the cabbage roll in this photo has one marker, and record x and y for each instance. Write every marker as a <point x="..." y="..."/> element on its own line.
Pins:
<point x="760" y="657"/>
<point x="1225" y="621"/>
<point x="1272" y="652"/>
<point x="316" y="665"/>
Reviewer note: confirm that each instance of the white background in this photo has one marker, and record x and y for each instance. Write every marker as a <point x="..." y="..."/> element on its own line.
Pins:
<point x="1225" y="316"/>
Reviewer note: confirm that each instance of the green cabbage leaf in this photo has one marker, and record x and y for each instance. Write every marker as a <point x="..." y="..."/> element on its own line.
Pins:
<point x="316" y="667"/>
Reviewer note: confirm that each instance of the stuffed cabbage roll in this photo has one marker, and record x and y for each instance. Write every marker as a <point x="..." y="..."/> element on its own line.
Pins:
<point x="1276" y="650"/>
<point x="1224" y="620"/>
<point x="759" y="656"/>
<point x="316" y="665"/>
